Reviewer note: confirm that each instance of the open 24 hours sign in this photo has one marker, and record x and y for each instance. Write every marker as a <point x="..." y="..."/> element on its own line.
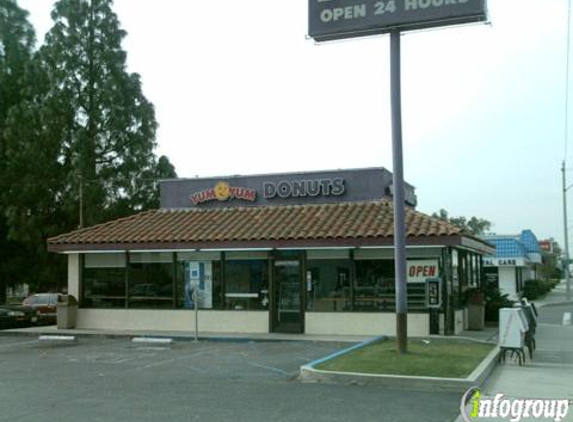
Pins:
<point x="338" y="19"/>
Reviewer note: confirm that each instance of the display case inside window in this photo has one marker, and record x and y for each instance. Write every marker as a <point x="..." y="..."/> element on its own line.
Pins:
<point x="374" y="289"/>
<point x="103" y="281"/>
<point x="151" y="280"/>
<point x="246" y="283"/>
<point x="328" y="285"/>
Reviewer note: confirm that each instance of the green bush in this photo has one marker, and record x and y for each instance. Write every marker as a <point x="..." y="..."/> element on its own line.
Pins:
<point x="546" y="285"/>
<point x="533" y="289"/>
<point x="552" y="282"/>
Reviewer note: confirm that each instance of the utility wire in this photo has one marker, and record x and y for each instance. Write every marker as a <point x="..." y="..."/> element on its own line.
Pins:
<point x="85" y="181"/>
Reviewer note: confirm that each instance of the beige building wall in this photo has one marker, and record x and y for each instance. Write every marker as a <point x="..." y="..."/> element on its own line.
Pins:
<point x="364" y="323"/>
<point x="173" y="320"/>
<point x="246" y="322"/>
<point x="74" y="275"/>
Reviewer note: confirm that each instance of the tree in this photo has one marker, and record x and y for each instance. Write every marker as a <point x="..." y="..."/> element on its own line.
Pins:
<point x="475" y="226"/>
<point x="17" y="41"/>
<point x="84" y="134"/>
<point x="551" y="267"/>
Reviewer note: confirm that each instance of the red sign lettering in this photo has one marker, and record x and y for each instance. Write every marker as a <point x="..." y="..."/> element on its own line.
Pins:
<point x="223" y="192"/>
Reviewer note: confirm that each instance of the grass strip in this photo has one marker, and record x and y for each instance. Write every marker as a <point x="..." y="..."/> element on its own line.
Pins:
<point x="430" y="358"/>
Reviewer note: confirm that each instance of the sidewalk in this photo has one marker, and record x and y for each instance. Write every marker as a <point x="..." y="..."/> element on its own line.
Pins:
<point x="179" y="335"/>
<point x="489" y="334"/>
<point x="550" y="373"/>
<point x="557" y="296"/>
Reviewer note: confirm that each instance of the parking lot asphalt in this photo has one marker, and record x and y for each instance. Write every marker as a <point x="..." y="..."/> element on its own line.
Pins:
<point x="98" y="379"/>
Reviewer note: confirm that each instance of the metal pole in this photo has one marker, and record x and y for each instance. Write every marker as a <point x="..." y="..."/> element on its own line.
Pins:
<point x="566" y="233"/>
<point x="399" y="202"/>
<point x="196" y="313"/>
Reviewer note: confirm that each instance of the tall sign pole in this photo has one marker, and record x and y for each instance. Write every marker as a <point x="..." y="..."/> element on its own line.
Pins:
<point x="399" y="202"/>
<point x="339" y="19"/>
<point x="566" y="233"/>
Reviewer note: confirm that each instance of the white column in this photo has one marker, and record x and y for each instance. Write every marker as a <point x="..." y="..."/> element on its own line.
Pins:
<point x="74" y="274"/>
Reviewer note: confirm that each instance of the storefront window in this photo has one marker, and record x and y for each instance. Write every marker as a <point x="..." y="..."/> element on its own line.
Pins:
<point x="200" y="273"/>
<point x="246" y="282"/>
<point x="151" y="280"/>
<point x="456" y="273"/>
<point x="475" y="270"/>
<point x="328" y="285"/>
<point x="374" y="289"/>
<point x="103" y="281"/>
<point x="465" y="279"/>
<point x="519" y="279"/>
<point x="491" y="278"/>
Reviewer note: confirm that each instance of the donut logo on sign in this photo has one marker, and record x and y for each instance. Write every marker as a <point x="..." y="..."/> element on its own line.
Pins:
<point x="222" y="192"/>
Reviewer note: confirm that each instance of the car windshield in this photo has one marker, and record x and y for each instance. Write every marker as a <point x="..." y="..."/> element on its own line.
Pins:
<point x="43" y="300"/>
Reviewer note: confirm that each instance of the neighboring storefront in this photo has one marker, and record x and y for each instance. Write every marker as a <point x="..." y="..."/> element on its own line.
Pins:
<point x="319" y="260"/>
<point x="514" y="262"/>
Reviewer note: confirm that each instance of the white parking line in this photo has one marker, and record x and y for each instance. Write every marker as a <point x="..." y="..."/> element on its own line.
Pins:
<point x="567" y="318"/>
<point x="270" y="368"/>
<point x="155" y="364"/>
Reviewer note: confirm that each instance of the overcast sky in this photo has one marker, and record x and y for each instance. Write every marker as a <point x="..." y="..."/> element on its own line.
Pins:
<point x="239" y="89"/>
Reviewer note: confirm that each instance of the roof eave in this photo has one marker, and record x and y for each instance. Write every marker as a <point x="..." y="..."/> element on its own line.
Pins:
<point x="436" y="241"/>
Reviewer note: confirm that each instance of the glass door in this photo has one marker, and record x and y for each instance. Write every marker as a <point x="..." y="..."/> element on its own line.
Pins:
<point x="287" y="309"/>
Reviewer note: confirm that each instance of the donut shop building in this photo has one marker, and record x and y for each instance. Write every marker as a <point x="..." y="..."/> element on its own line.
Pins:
<point x="296" y="253"/>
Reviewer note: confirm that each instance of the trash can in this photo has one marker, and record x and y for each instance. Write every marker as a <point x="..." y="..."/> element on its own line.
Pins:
<point x="476" y="310"/>
<point x="67" y="309"/>
<point x="476" y="316"/>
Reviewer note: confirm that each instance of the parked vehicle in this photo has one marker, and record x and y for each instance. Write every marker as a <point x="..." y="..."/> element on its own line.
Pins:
<point x="15" y="316"/>
<point x="45" y="304"/>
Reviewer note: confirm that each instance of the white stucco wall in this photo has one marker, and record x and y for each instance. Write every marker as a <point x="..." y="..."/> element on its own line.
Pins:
<point x="507" y="282"/>
<point x="74" y="275"/>
<point x="529" y="273"/>
<point x="459" y="321"/>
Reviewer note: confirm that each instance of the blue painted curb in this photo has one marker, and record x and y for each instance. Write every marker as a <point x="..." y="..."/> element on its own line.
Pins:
<point x="344" y="351"/>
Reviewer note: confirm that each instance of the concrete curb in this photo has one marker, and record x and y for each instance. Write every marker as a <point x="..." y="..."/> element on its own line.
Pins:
<point x="129" y="336"/>
<point x="308" y="373"/>
<point x="490" y="340"/>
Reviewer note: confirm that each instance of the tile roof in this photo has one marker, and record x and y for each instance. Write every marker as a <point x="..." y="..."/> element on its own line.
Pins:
<point x="508" y="248"/>
<point x="514" y="246"/>
<point x="254" y="225"/>
<point x="530" y="241"/>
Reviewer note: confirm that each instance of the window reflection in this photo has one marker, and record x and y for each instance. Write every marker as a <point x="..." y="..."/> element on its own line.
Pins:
<point x="328" y="285"/>
<point x="151" y="280"/>
<point x="375" y="285"/>
<point x="246" y="284"/>
<point x="104" y="281"/>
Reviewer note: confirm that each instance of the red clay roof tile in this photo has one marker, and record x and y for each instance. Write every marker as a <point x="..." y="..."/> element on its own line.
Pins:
<point x="356" y="220"/>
